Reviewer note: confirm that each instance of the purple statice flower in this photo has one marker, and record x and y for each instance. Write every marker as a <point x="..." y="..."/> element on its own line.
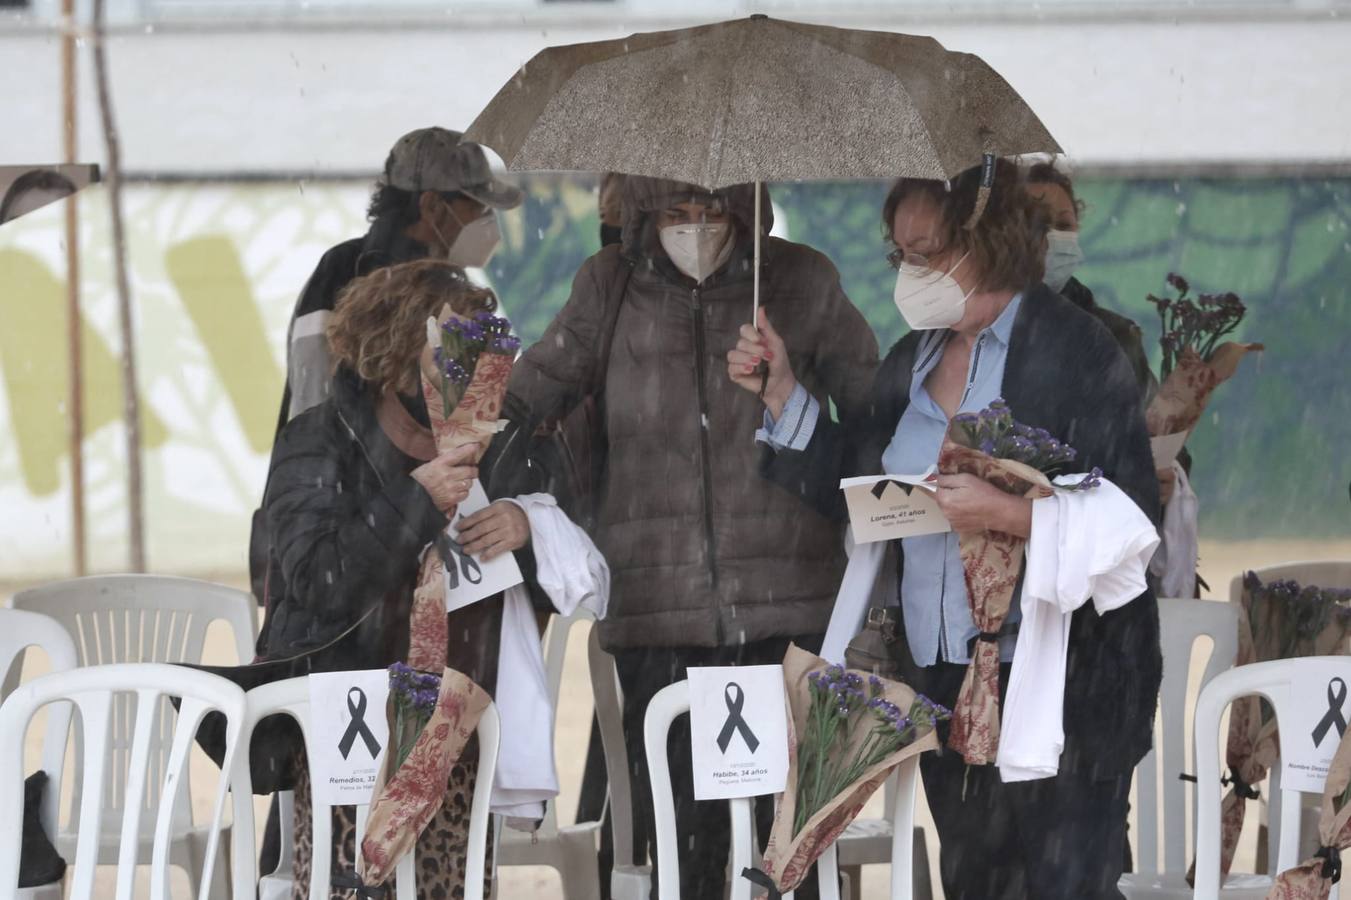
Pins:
<point x="1178" y="282"/>
<point x="1088" y="482"/>
<point x="506" y="344"/>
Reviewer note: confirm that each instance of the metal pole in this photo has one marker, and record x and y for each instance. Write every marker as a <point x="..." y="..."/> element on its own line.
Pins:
<point x="131" y="412"/>
<point x="74" y="351"/>
<point x="755" y="308"/>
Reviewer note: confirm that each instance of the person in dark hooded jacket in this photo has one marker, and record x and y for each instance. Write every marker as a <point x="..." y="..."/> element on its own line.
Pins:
<point x="711" y="564"/>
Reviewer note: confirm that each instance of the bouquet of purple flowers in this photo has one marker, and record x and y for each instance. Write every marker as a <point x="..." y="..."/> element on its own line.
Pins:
<point x="1194" y="325"/>
<point x="831" y="753"/>
<point x="414" y="694"/>
<point x="846" y="733"/>
<point x="457" y="345"/>
<point x="994" y="432"/>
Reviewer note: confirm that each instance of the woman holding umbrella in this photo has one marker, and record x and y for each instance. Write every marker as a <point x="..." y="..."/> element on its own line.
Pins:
<point x="984" y="327"/>
<point x="711" y="564"/>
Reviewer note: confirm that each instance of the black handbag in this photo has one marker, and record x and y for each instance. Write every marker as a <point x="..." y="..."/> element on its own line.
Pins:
<point x="874" y="648"/>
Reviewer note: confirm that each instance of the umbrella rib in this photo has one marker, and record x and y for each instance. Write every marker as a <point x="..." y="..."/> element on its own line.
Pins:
<point x="713" y="165"/>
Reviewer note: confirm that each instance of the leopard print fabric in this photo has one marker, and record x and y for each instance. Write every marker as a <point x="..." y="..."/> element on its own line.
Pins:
<point x="439" y="853"/>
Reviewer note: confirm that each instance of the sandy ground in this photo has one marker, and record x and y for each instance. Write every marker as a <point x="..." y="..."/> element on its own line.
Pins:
<point x="1220" y="562"/>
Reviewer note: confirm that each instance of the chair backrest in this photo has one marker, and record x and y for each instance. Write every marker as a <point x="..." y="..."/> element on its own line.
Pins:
<point x="135" y="619"/>
<point x="609" y="713"/>
<point x="674" y="700"/>
<point x="292" y="697"/>
<point x="20" y="630"/>
<point x="1271" y="680"/>
<point x="1328" y="573"/>
<point x="1181" y="624"/>
<point x="92" y="691"/>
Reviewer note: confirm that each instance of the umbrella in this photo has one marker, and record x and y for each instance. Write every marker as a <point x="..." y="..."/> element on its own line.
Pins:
<point x="758" y="99"/>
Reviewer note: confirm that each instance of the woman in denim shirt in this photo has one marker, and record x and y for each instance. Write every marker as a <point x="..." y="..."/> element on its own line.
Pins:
<point x="984" y="326"/>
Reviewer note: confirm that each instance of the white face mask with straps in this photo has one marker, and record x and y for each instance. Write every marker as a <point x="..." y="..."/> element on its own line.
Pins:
<point x="928" y="299"/>
<point x="475" y="244"/>
<point x="697" y="249"/>
<point x="1063" y="256"/>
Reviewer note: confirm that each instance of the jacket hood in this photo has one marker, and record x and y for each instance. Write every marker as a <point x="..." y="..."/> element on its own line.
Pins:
<point x="643" y="197"/>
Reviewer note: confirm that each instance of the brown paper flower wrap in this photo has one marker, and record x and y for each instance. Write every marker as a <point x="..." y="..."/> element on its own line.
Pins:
<point x="991" y="562"/>
<point x="789" y="853"/>
<point x="1275" y="621"/>
<point x="1182" y="397"/>
<point x="406" y="796"/>
<point x="1313" y="878"/>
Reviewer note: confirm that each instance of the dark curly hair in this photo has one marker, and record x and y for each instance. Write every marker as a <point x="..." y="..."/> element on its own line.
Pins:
<point x="1005" y="243"/>
<point x="387" y="200"/>
<point x="1047" y="173"/>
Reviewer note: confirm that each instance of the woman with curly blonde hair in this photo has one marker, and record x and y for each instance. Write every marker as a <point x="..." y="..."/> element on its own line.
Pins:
<point x="355" y="493"/>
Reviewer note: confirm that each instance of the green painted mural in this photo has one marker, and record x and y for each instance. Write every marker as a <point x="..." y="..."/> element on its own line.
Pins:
<point x="216" y="268"/>
<point x="1271" y="456"/>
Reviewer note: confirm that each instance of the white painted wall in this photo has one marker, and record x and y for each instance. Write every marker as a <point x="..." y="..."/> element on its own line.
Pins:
<point x="332" y="95"/>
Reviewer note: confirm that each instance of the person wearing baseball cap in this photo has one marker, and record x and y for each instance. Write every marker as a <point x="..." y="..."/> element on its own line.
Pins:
<point x="438" y="198"/>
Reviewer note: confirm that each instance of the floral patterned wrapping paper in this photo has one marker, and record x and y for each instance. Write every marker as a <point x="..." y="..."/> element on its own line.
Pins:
<point x="1182" y="397"/>
<point x="1269" y="627"/>
<point x="1313" y="878"/>
<point x="405" y="799"/>
<point x="788" y="856"/>
<point x="992" y="562"/>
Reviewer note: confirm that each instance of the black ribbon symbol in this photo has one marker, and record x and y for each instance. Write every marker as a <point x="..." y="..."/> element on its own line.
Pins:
<point x="735" y="698"/>
<point x="357" y="727"/>
<point x="458" y="563"/>
<point x="880" y="487"/>
<point x="1334" y="714"/>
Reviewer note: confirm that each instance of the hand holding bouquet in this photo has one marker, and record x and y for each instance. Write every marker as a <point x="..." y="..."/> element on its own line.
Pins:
<point x="1194" y="359"/>
<point x="1016" y="459"/>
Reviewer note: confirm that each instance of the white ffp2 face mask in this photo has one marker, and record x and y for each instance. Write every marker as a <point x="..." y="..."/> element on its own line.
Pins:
<point x="928" y="299"/>
<point x="1063" y="256"/>
<point x="698" y="250"/>
<point x="476" y="242"/>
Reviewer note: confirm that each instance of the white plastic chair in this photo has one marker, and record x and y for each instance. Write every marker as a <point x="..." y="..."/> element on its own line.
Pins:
<point x="292" y="697"/>
<point x="873" y="841"/>
<point x="18" y="631"/>
<point x="571" y="850"/>
<point x="629" y="880"/>
<point x="1271" y="680"/>
<point x="93" y="691"/>
<point x="674" y="700"/>
<point x="143" y="618"/>
<point x="1330" y="573"/>
<point x="1181" y="624"/>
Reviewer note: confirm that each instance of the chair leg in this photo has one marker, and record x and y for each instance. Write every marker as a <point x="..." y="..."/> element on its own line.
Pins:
<point x="577" y="866"/>
<point x="854" y="885"/>
<point x="196" y="843"/>
<point x="922" y="882"/>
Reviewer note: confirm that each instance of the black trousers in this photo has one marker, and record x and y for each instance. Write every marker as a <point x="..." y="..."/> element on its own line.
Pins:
<point x="1058" y="838"/>
<point x="703" y="828"/>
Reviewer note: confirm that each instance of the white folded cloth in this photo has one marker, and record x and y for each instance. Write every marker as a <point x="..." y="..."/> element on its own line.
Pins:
<point x="1174" y="563"/>
<point x="1094" y="543"/>
<point x="574" y="575"/>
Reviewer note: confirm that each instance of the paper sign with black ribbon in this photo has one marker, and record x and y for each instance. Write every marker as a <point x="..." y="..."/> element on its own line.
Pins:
<point x="738" y="731"/>
<point x="883" y="507"/>
<point x="467" y="578"/>
<point x="357" y="727"/>
<point x="349" y="732"/>
<point x="736" y="699"/>
<point x="1317" y="722"/>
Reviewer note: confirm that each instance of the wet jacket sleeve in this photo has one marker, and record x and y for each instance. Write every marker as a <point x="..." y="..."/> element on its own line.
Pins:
<point x="551" y="377"/>
<point x="849" y="447"/>
<point x="338" y="549"/>
<point x="1108" y="426"/>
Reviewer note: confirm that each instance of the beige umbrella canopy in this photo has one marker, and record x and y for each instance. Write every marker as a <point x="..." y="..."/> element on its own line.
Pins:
<point x="758" y="99"/>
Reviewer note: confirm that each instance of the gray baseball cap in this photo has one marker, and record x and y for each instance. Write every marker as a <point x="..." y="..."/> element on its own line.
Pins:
<point x="438" y="159"/>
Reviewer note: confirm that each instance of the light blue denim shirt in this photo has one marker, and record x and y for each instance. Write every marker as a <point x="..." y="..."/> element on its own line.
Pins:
<point x="938" y="619"/>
